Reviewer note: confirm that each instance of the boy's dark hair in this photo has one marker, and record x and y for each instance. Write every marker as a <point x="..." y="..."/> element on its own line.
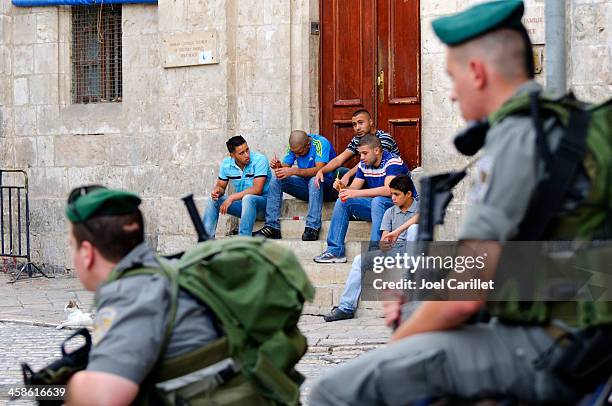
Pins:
<point x="234" y="143"/>
<point x="403" y="183"/>
<point x="114" y="236"/>
<point x="362" y="111"/>
<point x="371" y="141"/>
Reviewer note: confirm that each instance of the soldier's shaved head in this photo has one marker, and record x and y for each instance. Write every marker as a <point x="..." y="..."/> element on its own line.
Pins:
<point x="298" y="138"/>
<point x="504" y="48"/>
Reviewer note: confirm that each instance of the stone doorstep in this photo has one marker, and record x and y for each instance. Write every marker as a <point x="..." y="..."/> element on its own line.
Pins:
<point x="295" y="207"/>
<point x="293" y="229"/>
<point x="305" y="251"/>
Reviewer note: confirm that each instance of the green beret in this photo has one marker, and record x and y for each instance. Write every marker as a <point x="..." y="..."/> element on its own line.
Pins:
<point x="479" y="20"/>
<point x="102" y="202"/>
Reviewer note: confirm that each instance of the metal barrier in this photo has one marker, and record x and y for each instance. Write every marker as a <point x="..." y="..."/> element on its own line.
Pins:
<point x="15" y="222"/>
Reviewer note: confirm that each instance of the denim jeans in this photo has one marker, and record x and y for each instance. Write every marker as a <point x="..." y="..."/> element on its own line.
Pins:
<point x="352" y="287"/>
<point x="250" y="208"/>
<point x="303" y="189"/>
<point x="361" y="208"/>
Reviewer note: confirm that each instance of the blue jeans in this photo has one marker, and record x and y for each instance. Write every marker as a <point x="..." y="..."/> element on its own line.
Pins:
<point x="250" y="208"/>
<point x="361" y="208"/>
<point x="352" y="287"/>
<point x="304" y="189"/>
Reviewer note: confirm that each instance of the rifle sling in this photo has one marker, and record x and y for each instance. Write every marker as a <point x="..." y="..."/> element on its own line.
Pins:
<point x="562" y="168"/>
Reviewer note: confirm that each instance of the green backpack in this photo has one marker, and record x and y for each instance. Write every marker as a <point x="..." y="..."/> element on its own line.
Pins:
<point x="588" y="142"/>
<point x="256" y="289"/>
<point x="592" y="219"/>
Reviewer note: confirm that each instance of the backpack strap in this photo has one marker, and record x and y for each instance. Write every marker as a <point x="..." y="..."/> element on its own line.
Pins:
<point x="167" y="271"/>
<point x="561" y="169"/>
<point x="541" y="142"/>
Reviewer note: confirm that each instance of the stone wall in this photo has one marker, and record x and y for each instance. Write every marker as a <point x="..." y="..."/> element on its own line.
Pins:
<point x="590" y="49"/>
<point x="166" y="138"/>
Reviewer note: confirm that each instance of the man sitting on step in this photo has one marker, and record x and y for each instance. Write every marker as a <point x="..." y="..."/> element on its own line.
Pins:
<point x="399" y="224"/>
<point x="250" y="175"/>
<point x="367" y="198"/>
<point x="363" y="125"/>
<point x="311" y="152"/>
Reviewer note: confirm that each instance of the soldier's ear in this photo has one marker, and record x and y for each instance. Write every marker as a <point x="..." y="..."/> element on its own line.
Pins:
<point x="87" y="252"/>
<point x="478" y="73"/>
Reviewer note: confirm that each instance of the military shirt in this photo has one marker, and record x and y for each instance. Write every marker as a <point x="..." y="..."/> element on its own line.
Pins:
<point x="130" y="322"/>
<point x="506" y="176"/>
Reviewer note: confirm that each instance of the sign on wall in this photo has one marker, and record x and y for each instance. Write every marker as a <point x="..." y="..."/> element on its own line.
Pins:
<point x="533" y="19"/>
<point x="198" y="48"/>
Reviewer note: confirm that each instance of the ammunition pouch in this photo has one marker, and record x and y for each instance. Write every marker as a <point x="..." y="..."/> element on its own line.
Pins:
<point x="202" y="377"/>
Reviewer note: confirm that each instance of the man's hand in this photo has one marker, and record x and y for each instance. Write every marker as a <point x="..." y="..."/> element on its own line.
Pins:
<point x="226" y="204"/>
<point x="217" y="192"/>
<point x="391" y="237"/>
<point x="319" y="178"/>
<point x="283" y="173"/>
<point x="348" y="194"/>
<point x="392" y="309"/>
<point x="339" y="185"/>
<point x="385" y="245"/>
<point x="275" y="163"/>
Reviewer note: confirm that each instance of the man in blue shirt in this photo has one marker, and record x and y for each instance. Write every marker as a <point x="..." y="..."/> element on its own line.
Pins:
<point x="250" y="175"/>
<point x="367" y="198"/>
<point x="312" y="152"/>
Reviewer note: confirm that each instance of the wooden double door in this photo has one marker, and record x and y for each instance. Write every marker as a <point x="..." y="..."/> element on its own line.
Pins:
<point x="370" y="59"/>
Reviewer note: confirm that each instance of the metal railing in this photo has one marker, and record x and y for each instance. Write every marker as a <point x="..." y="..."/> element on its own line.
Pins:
<point x="15" y="222"/>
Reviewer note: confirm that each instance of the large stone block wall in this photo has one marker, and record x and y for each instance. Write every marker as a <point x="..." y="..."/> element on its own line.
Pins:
<point x="590" y="49"/>
<point x="166" y="138"/>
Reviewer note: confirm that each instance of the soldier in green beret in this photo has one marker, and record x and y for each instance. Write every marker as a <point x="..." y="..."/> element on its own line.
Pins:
<point x="436" y="353"/>
<point x="107" y="239"/>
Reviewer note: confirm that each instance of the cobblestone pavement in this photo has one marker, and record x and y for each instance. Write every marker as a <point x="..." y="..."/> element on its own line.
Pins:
<point x="29" y="309"/>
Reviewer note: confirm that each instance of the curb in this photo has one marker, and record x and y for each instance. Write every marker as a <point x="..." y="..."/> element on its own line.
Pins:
<point x="35" y="323"/>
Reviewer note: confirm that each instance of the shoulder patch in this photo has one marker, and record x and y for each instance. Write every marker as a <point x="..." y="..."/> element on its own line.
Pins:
<point x="102" y="323"/>
<point x="481" y="178"/>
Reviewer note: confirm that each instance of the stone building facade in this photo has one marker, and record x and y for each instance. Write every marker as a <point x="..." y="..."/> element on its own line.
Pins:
<point x="166" y="136"/>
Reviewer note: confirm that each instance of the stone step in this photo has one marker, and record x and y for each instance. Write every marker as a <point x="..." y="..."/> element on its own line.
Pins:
<point x="293" y="229"/>
<point x="328" y="296"/>
<point x="329" y="281"/>
<point x="295" y="207"/>
<point x="307" y="250"/>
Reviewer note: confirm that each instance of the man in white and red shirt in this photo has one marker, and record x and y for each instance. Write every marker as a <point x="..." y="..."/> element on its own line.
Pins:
<point x="367" y="198"/>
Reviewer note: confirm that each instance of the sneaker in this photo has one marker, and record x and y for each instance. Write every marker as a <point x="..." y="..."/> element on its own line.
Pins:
<point x="337" y="314"/>
<point x="328" y="258"/>
<point x="310" y="234"/>
<point x="268" y="232"/>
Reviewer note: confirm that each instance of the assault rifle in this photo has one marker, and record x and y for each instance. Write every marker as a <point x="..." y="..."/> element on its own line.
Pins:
<point x="436" y="194"/>
<point x="61" y="370"/>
